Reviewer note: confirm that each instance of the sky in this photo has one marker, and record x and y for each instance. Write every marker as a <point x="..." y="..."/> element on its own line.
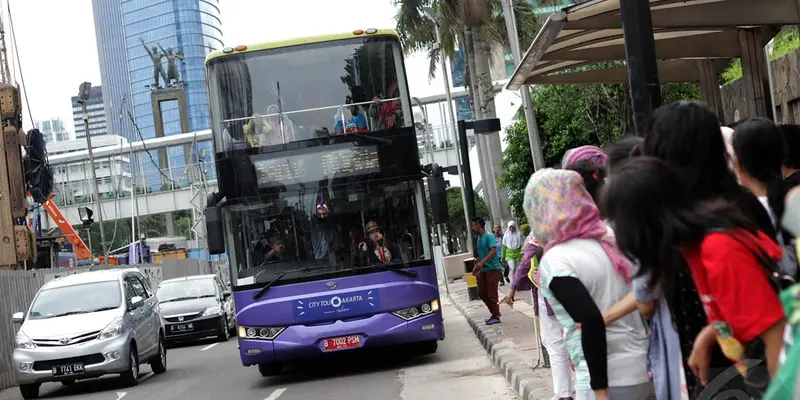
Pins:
<point x="58" y="50"/>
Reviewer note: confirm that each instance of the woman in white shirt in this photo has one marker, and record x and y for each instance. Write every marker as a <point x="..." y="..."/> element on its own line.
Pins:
<point x="582" y="272"/>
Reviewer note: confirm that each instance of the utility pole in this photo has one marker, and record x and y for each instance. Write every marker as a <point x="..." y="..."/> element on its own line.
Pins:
<point x="640" y="56"/>
<point x="428" y="12"/>
<point x="524" y="91"/>
<point x="83" y="97"/>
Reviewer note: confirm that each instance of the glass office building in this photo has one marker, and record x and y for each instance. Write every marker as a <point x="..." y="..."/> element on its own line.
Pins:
<point x="191" y="27"/>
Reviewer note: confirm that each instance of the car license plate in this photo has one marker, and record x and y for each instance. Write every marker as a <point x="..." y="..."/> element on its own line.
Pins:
<point x="341" y="343"/>
<point x="183" y="328"/>
<point x="68" y="369"/>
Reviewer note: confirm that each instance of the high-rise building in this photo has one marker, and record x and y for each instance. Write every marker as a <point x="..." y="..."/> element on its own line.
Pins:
<point x="52" y="130"/>
<point x="96" y="111"/>
<point x="192" y="27"/>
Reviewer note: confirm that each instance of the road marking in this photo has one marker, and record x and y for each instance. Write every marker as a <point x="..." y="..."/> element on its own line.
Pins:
<point x="120" y="395"/>
<point x="208" y="347"/>
<point x="277" y="393"/>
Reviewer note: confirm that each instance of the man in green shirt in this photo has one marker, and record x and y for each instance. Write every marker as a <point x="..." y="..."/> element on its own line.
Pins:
<point x="487" y="269"/>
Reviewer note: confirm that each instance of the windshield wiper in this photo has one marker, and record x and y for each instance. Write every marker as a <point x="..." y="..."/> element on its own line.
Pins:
<point x="69" y="313"/>
<point x="399" y="270"/>
<point x="104" y="309"/>
<point x="179" y="299"/>
<point x="257" y="295"/>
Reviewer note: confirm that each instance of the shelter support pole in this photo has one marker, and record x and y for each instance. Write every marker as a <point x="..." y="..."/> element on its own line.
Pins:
<point x="709" y="88"/>
<point x="754" y="73"/>
<point x="640" y="55"/>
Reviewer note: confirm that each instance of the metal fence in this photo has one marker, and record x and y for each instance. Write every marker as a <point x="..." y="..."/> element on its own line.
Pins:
<point x="17" y="289"/>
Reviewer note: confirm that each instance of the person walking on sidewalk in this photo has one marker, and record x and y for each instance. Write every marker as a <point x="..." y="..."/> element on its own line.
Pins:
<point x="512" y="248"/>
<point x="488" y="269"/>
<point x="583" y="271"/>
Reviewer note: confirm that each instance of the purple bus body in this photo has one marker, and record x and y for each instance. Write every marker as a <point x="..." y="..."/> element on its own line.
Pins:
<point x="330" y="308"/>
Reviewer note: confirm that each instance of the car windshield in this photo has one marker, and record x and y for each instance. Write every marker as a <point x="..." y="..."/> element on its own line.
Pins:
<point x="342" y="228"/>
<point x="186" y="290"/>
<point x="76" y="299"/>
<point x="271" y="97"/>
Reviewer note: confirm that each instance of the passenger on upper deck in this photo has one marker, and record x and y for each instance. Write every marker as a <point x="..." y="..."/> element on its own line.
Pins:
<point x="261" y="131"/>
<point x="357" y="122"/>
<point x="388" y="110"/>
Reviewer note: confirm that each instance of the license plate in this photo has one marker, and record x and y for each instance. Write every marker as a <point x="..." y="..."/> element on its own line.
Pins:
<point x="341" y="343"/>
<point x="182" y="328"/>
<point x="68" y="369"/>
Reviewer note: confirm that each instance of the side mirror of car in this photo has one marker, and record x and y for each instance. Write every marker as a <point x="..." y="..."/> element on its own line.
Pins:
<point x="226" y="295"/>
<point x="136" y="302"/>
<point x="17" y="318"/>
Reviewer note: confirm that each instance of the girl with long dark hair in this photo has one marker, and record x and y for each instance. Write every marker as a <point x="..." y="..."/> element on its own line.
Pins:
<point x="687" y="136"/>
<point x="657" y="222"/>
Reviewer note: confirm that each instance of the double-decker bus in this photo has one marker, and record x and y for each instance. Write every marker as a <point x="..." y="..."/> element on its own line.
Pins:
<point x="321" y="205"/>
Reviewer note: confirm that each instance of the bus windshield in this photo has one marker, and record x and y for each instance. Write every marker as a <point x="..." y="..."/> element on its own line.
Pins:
<point x="343" y="229"/>
<point x="272" y="97"/>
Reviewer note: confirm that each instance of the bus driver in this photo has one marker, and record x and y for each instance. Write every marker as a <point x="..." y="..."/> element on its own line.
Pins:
<point x="378" y="250"/>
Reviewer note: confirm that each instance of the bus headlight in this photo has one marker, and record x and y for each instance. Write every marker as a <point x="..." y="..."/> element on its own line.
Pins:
<point x="418" y="311"/>
<point x="260" y="333"/>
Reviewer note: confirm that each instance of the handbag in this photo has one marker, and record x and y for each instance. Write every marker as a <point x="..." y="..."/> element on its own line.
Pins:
<point x="755" y="373"/>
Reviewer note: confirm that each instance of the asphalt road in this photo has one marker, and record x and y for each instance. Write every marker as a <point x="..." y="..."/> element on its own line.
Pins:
<point x="208" y="370"/>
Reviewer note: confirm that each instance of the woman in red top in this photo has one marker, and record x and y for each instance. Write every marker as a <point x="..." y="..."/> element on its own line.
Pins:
<point x="656" y="219"/>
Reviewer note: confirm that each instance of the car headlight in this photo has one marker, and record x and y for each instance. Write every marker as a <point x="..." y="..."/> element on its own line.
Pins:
<point x="216" y="310"/>
<point x="24" y="342"/>
<point x="260" y="333"/>
<point x="418" y="311"/>
<point x="113" y="329"/>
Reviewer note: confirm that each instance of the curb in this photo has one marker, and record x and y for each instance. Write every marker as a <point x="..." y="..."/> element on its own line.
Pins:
<point x="521" y="377"/>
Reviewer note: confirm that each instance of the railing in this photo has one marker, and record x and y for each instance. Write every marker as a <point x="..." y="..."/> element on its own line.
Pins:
<point x="120" y="181"/>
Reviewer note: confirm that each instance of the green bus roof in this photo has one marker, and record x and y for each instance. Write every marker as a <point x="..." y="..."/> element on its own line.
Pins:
<point x="300" y="41"/>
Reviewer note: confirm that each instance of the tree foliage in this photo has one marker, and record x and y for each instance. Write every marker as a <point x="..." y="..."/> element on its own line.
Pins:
<point x="417" y="32"/>
<point x="785" y="42"/>
<point x="571" y="116"/>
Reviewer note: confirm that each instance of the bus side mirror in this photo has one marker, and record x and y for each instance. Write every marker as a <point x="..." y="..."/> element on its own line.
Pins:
<point x="438" y="192"/>
<point x="214" y="230"/>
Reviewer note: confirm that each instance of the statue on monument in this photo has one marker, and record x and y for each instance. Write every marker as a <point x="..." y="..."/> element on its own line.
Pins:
<point x="173" y="76"/>
<point x="158" y="69"/>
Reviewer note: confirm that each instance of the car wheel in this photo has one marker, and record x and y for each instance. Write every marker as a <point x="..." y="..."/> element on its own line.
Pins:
<point x="225" y="332"/>
<point x="159" y="362"/>
<point x="131" y="376"/>
<point x="30" y="391"/>
<point x="269" y="369"/>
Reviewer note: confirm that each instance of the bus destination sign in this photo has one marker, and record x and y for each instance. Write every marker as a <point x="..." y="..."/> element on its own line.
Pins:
<point x="316" y="166"/>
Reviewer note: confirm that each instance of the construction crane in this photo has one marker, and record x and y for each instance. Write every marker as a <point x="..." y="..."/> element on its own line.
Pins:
<point x="81" y="250"/>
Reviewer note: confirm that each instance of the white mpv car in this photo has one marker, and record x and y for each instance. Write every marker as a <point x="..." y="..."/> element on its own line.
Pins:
<point x="89" y="325"/>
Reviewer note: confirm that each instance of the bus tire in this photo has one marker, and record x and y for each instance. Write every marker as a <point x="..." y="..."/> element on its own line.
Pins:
<point x="428" y="347"/>
<point x="269" y="369"/>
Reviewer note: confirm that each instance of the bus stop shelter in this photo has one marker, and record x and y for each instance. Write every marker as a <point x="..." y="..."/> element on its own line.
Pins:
<point x="694" y="41"/>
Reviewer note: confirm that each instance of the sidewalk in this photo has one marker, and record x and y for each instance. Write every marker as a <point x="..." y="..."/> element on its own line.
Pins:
<point x="511" y="345"/>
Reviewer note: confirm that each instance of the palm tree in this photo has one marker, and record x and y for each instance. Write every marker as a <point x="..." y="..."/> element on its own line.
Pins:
<point x="477" y="25"/>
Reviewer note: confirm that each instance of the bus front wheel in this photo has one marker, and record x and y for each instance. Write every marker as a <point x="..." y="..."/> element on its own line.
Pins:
<point x="269" y="369"/>
<point x="428" y="347"/>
